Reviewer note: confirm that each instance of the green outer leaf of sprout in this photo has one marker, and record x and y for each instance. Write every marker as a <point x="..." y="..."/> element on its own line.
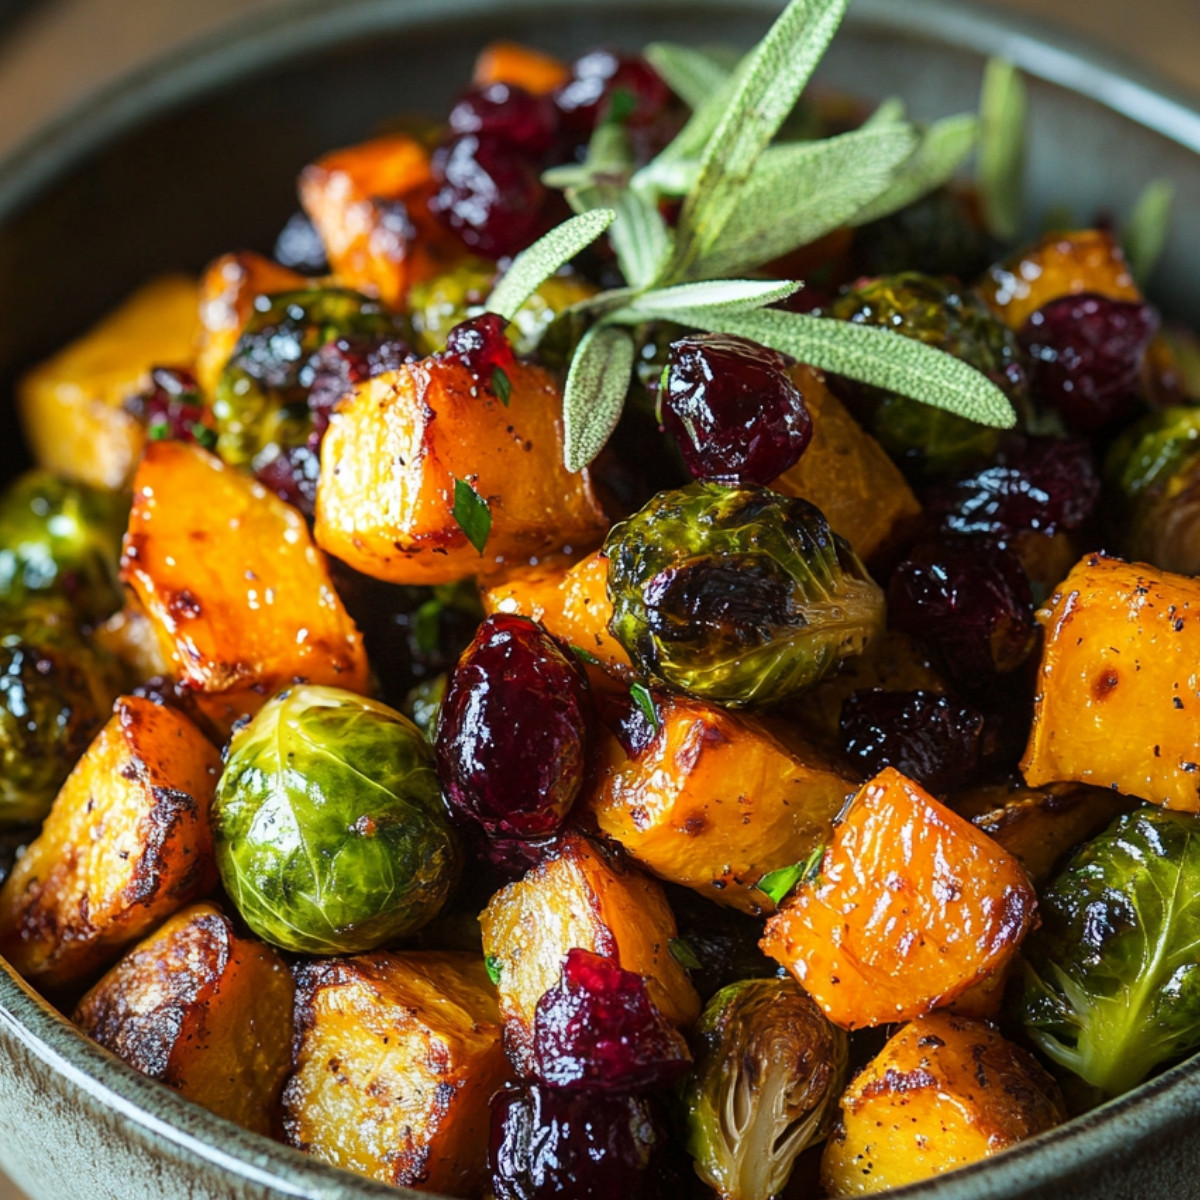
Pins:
<point x="693" y="75"/>
<point x="779" y="68"/>
<point x="943" y="148"/>
<point x="534" y="265"/>
<point x="715" y="295"/>
<point x="472" y="514"/>
<point x="1145" y="236"/>
<point x="595" y="393"/>
<point x="640" y="238"/>
<point x="1003" y="108"/>
<point x="640" y="694"/>
<point x="800" y="192"/>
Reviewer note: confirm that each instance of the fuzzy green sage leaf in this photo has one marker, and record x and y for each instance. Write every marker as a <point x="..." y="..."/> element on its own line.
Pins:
<point x="693" y="75"/>
<point x="595" y="393"/>
<point x="1145" y="237"/>
<point x="472" y="514"/>
<point x="725" y="295"/>
<point x="1003" y="110"/>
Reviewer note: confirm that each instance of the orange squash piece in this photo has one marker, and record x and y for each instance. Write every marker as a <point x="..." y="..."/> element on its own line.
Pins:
<point x="389" y="462"/>
<point x="1061" y="264"/>
<point x="912" y="906"/>
<point x="715" y="802"/>
<point x="125" y="845"/>
<point x="240" y="598"/>
<point x="512" y="63"/>
<point x="943" y="1092"/>
<point x="1118" y="695"/>
<point x="397" y="1056"/>
<point x="580" y="896"/>
<point x="203" y="1010"/>
<point x="72" y="406"/>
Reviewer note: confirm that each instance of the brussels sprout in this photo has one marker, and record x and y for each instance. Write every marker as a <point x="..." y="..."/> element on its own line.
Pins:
<point x="424" y="702"/>
<point x="61" y="538"/>
<point x="769" y="1071"/>
<point x="1111" y="984"/>
<point x="328" y="824"/>
<point x="925" y="440"/>
<point x="738" y="595"/>
<point x="56" y="691"/>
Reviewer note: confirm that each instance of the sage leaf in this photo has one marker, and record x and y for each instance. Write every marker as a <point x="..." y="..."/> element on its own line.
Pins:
<point x="472" y="514"/>
<point x="890" y="112"/>
<point x="723" y="295"/>
<point x="595" y="393"/>
<point x="640" y="238"/>
<point x="693" y="75"/>
<point x="609" y="157"/>
<point x="1145" y="236"/>
<point x="641" y="695"/>
<point x="534" y="265"/>
<point x="1003" y="109"/>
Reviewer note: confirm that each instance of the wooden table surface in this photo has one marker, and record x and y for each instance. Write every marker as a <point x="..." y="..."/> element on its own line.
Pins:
<point x="62" y="50"/>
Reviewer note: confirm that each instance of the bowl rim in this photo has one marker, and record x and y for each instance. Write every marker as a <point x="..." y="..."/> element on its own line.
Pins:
<point x="293" y="29"/>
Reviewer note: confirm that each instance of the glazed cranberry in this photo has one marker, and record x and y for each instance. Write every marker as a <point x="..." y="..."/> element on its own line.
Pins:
<point x="340" y="364"/>
<point x="931" y="738"/>
<point x="626" y="721"/>
<point x="511" y="737"/>
<point x="737" y="416"/>
<point x="491" y="197"/>
<point x="1041" y="484"/>
<point x="555" y="1145"/>
<point x="509" y="114"/>
<point x="603" y="80"/>
<point x="172" y="408"/>
<point x="971" y="598"/>
<point x="597" y="1028"/>
<point x="1085" y="355"/>
<point x="299" y="247"/>
<point x="479" y="345"/>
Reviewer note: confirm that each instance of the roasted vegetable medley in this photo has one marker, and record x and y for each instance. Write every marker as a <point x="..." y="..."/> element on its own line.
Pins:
<point x="514" y="696"/>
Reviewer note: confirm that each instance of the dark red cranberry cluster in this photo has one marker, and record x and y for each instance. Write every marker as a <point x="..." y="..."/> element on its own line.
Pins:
<point x="172" y="408"/>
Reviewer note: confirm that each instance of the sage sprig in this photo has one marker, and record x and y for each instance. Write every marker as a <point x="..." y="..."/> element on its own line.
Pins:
<point x="1000" y="172"/>
<point x="1145" y="237"/>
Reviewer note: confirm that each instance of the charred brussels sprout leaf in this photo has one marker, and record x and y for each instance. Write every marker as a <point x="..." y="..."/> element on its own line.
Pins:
<point x="737" y="595"/>
<point x="328" y="823"/>
<point x="769" y="1070"/>
<point x="61" y="538"/>
<point x="1112" y="978"/>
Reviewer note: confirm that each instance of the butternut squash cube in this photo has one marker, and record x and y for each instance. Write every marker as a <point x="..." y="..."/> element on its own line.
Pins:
<point x="204" y="1011"/>
<point x="125" y="845"/>
<point x="72" y="406"/>
<point x="581" y="896"/>
<point x="715" y="802"/>
<point x="389" y="462"/>
<point x="241" y="599"/>
<point x="512" y="63"/>
<point x="397" y="1056"/>
<point x="944" y="1092"/>
<point x="912" y="906"/>
<point x="1118" y="696"/>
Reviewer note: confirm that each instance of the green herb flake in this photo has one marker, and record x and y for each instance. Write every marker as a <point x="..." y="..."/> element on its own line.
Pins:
<point x="203" y="436"/>
<point x="640" y="694"/>
<point x="158" y="431"/>
<point x="585" y="655"/>
<point x="426" y="623"/>
<point x="493" y="965"/>
<point x="501" y="385"/>
<point x="777" y="884"/>
<point x="472" y="514"/>
<point x="682" y="952"/>
<point x="622" y="104"/>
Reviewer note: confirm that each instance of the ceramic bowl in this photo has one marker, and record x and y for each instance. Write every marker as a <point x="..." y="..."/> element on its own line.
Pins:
<point x="199" y="154"/>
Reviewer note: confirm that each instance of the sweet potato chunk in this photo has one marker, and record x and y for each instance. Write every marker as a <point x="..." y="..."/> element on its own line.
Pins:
<point x="1061" y="264"/>
<point x="580" y="897"/>
<point x="715" y="802"/>
<point x="386" y="496"/>
<point x="848" y="476"/>
<point x="369" y="204"/>
<point x="125" y="845"/>
<point x="241" y="599"/>
<point x="512" y="63"/>
<point x="72" y="407"/>
<point x="944" y="1092"/>
<point x="912" y="906"/>
<point x="204" y="1011"/>
<point x="397" y="1056"/>
<point x="1118" y="695"/>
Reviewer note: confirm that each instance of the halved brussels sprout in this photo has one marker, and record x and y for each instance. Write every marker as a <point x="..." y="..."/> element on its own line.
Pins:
<point x="769" y="1071"/>
<point x="738" y="595"/>
<point x="328" y="824"/>
<point x="59" y="537"/>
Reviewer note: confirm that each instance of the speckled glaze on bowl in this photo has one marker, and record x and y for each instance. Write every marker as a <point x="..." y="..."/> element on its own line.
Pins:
<point x="199" y="154"/>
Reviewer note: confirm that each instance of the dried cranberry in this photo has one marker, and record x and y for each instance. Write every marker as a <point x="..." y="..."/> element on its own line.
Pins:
<point x="292" y="474"/>
<point x="1040" y="484"/>
<point x="931" y="738"/>
<point x="731" y="406"/>
<point x="479" y="345"/>
<point x="172" y="408"/>
<point x="491" y="197"/>
<point x="597" y="1028"/>
<point x="299" y="247"/>
<point x="971" y="598"/>
<point x="555" y="1145"/>
<point x="1085" y="355"/>
<point x="511" y="737"/>
<point x="510" y="114"/>
<point x="604" y="84"/>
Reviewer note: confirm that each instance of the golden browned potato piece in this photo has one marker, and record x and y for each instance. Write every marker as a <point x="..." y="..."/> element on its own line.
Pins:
<point x="848" y="476"/>
<point x="715" y="801"/>
<point x="581" y="896"/>
<point x="397" y="1056"/>
<point x="389" y="462"/>
<point x="204" y="1011"/>
<point x="1118" y="694"/>
<point x="944" y="1092"/>
<point x="125" y="845"/>
<point x="912" y="906"/>
<point x="227" y="573"/>
<point x="72" y="407"/>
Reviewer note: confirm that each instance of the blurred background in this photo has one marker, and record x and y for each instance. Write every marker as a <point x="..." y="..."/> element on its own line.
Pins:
<point x="55" y="53"/>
